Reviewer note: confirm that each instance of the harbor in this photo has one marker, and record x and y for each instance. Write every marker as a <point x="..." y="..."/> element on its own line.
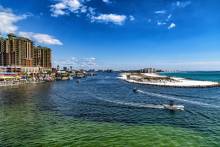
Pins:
<point x="109" y="73"/>
<point x="106" y="107"/>
<point x="15" y="79"/>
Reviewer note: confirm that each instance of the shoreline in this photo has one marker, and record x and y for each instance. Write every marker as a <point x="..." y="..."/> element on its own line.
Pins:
<point x="165" y="81"/>
<point x="17" y="83"/>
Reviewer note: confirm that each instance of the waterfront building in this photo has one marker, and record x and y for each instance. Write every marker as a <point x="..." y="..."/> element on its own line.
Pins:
<point x="10" y="69"/>
<point x="16" y="51"/>
<point x="58" y="67"/>
<point x="65" y="68"/>
<point x="20" y="52"/>
<point x="42" y="57"/>
<point x="148" y="70"/>
<point x="9" y="76"/>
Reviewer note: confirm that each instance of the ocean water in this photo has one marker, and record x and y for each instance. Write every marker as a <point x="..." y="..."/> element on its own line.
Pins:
<point x="103" y="111"/>
<point x="196" y="75"/>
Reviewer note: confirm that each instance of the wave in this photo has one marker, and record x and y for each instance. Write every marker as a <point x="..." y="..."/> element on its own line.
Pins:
<point x="169" y="97"/>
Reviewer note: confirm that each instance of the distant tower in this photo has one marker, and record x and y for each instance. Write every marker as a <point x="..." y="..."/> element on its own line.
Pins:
<point x="58" y="67"/>
<point x="71" y="68"/>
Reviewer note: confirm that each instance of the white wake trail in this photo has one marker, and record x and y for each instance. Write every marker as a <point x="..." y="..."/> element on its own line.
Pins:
<point x="177" y="99"/>
<point x="138" y="105"/>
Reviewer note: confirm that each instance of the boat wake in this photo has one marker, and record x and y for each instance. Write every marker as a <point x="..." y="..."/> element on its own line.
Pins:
<point x="138" y="105"/>
<point x="169" y="97"/>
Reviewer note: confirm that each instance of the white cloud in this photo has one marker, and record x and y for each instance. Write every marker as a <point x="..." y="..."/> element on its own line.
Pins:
<point x="182" y="4"/>
<point x="160" y="12"/>
<point x="106" y="1"/>
<point x="91" y="12"/>
<point x="131" y="18"/>
<point x="41" y="38"/>
<point x="79" y="63"/>
<point x="171" y="26"/>
<point x="8" y="20"/>
<point x="83" y="9"/>
<point x="169" y="16"/>
<point x="66" y="6"/>
<point x="113" y="18"/>
<point x="164" y="16"/>
<point x="161" y="23"/>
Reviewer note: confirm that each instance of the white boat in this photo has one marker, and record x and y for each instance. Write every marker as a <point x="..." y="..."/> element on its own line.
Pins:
<point x="174" y="107"/>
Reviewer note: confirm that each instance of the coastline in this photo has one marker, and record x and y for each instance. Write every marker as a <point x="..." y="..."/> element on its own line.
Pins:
<point x="17" y="83"/>
<point x="165" y="81"/>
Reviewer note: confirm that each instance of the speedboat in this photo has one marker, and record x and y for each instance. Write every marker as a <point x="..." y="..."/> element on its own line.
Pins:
<point x="135" y="90"/>
<point x="174" y="107"/>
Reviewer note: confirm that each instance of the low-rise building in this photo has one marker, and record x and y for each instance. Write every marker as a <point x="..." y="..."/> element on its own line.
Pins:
<point x="148" y="70"/>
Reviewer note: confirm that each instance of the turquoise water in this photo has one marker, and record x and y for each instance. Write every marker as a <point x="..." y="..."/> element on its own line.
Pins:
<point x="103" y="111"/>
<point x="196" y="75"/>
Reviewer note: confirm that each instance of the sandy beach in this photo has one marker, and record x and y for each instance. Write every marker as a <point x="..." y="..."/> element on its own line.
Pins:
<point x="158" y="80"/>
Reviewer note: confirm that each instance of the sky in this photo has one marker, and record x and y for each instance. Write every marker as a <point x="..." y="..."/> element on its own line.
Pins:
<point x="120" y="34"/>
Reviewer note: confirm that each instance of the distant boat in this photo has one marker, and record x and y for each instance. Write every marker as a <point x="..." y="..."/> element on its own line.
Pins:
<point x="174" y="107"/>
<point x="135" y="90"/>
<point x="65" y="78"/>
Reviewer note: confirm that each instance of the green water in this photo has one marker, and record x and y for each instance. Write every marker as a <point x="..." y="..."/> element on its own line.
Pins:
<point x="26" y="127"/>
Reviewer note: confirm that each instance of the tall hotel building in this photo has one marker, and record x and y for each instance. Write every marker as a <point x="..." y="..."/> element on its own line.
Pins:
<point x="16" y="51"/>
<point x="20" y="52"/>
<point x="42" y="57"/>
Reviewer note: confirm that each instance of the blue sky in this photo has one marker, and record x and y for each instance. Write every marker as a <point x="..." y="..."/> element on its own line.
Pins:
<point x="119" y="34"/>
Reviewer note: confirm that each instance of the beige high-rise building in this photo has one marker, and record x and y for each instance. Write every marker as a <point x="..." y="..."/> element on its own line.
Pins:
<point x="42" y="57"/>
<point x="2" y="51"/>
<point x="16" y="51"/>
<point x="19" y="51"/>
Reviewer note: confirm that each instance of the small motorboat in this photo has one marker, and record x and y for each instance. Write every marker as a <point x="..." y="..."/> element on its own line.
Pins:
<point x="77" y="81"/>
<point x="135" y="90"/>
<point x="174" y="107"/>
